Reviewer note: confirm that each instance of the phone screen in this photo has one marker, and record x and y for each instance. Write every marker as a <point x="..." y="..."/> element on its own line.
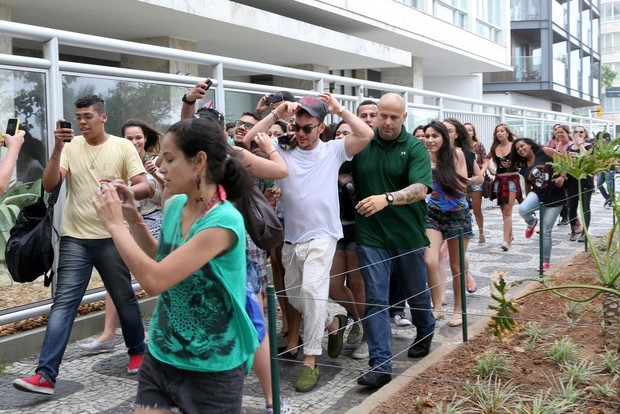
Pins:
<point x="12" y="126"/>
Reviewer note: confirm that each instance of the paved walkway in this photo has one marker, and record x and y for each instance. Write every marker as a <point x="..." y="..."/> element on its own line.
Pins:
<point x="100" y="384"/>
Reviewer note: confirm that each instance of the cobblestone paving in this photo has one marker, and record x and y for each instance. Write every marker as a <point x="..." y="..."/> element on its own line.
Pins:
<point x="100" y="384"/>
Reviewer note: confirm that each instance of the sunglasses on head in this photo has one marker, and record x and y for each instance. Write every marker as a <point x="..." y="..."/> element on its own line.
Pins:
<point x="306" y="128"/>
<point x="247" y="125"/>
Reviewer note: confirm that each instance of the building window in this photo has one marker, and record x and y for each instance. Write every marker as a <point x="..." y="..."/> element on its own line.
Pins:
<point x="610" y="42"/>
<point x="610" y="11"/>
<point x="451" y="11"/>
<point x="410" y="3"/>
<point x="522" y="9"/>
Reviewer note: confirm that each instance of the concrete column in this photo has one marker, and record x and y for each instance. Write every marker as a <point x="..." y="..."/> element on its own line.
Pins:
<point x="285" y="82"/>
<point x="6" y="42"/>
<point x="163" y="65"/>
<point x="412" y="77"/>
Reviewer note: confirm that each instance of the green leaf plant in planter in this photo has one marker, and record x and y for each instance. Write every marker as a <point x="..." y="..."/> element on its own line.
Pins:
<point x="601" y="158"/>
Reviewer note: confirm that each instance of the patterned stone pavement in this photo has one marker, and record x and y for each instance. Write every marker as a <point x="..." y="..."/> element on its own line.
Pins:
<point x="100" y="384"/>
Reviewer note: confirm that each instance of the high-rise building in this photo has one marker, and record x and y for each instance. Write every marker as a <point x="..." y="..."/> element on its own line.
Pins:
<point x="610" y="55"/>
<point x="555" y="56"/>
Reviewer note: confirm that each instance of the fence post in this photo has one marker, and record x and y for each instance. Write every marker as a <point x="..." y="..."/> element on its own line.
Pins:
<point x="541" y="239"/>
<point x="273" y="348"/>
<point x="463" y="283"/>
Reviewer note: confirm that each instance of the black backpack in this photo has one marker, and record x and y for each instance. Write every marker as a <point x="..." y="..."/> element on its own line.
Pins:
<point x="29" y="251"/>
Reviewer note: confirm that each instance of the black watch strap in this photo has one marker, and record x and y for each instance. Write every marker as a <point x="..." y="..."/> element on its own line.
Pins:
<point x="187" y="101"/>
<point x="389" y="197"/>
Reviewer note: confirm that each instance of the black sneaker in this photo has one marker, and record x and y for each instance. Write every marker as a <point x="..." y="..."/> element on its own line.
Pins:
<point x="374" y="379"/>
<point x="563" y="222"/>
<point x="420" y="347"/>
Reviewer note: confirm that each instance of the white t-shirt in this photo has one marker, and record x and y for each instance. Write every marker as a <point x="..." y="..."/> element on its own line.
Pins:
<point x="310" y="192"/>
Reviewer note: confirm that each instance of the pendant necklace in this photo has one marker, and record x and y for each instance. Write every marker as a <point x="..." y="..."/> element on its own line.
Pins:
<point x="214" y="199"/>
<point x="92" y="161"/>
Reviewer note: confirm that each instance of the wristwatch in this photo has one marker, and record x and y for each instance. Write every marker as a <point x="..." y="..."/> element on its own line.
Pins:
<point x="390" y="198"/>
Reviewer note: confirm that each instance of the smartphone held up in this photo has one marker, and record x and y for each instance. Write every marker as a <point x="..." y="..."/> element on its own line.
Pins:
<point x="65" y="125"/>
<point x="12" y="126"/>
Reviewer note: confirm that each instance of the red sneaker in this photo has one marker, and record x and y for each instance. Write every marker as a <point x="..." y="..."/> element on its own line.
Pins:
<point x="36" y="384"/>
<point x="530" y="229"/>
<point x="134" y="363"/>
<point x="546" y="266"/>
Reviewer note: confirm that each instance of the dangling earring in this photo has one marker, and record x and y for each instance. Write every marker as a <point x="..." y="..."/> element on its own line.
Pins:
<point x="200" y="199"/>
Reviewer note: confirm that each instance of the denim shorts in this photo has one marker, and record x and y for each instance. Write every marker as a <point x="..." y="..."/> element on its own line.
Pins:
<point x="449" y="222"/>
<point x="476" y="188"/>
<point x="166" y="387"/>
<point x="512" y="187"/>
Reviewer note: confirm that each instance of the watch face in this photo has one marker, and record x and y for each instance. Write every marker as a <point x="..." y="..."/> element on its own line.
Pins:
<point x="389" y="197"/>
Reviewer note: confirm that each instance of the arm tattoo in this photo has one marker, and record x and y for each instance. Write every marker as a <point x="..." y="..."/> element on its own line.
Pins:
<point x="411" y="194"/>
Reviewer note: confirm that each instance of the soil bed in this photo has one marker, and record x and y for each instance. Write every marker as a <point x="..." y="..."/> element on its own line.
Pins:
<point x="530" y="366"/>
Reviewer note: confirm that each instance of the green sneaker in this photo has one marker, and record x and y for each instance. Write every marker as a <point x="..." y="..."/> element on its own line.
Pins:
<point x="307" y="379"/>
<point x="334" y="343"/>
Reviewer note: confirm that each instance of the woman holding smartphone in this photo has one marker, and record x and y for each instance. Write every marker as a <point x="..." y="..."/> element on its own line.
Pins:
<point x="201" y="340"/>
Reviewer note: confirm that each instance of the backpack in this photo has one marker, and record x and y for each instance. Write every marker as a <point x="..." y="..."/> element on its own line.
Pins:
<point x="29" y="252"/>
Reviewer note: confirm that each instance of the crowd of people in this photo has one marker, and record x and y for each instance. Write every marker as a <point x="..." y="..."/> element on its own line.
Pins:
<point x="371" y="216"/>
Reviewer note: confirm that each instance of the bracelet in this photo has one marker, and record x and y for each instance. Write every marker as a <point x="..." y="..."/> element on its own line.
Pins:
<point x="339" y="112"/>
<point x="275" y="115"/>
<point x="269" y="155"/>
<point x="187" y="101"/>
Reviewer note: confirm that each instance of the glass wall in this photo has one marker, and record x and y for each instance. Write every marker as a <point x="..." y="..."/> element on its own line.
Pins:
<point x="22" y="95"/>
<point x="523" y="10"/>
<point x="610" y="42"/>
<point x="559" y="13"/>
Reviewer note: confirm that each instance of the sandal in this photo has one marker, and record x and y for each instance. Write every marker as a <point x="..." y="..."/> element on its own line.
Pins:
<point x="438" y="315"/>
<point x="456" y="320"/>
<point x="471" y="287"/>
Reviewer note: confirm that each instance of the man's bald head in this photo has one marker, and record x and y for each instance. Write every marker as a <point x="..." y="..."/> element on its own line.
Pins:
<point x="392" y="115"/>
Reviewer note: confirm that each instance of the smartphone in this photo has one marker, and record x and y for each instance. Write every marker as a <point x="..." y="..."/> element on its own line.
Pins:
<point x="12" y="126"/>
<point x="209" y="83"/>
<point x="253" y="145"/>
<point x="64" y="124"/>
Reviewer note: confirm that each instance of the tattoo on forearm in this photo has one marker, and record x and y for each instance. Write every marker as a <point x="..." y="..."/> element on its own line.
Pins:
<point x="411" y="194"/>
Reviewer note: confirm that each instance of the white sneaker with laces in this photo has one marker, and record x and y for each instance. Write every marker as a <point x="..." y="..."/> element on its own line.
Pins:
<point x="361" y="352"/>
<point x="401" y="321"/>
<point x="355" y="333"/>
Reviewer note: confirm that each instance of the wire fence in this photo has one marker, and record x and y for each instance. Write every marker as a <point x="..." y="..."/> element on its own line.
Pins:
<point x="396" y="353"/>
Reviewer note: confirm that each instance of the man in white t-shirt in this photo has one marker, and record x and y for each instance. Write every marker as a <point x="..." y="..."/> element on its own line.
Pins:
<point x="312" y="216"/>
<point x="86" y="161"/>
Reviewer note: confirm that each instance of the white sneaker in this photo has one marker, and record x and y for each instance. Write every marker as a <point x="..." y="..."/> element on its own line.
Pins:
<point x="401" y="321"/>
<point x="361" y="352"/>
<point x="355" y="333"/>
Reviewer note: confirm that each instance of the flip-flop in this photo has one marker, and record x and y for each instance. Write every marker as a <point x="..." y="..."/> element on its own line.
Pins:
<point x="471" y="288"/>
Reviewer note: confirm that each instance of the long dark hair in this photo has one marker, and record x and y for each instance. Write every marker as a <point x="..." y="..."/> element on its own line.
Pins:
<point x="474" y="137"/>
<point x="151" y="135"/>
<point x="224" y="167"/>
<point x="452" y="183"/>
<point x="511" y="138"/>
<point x="463" y="140"/>
<point x="517" y="160"/>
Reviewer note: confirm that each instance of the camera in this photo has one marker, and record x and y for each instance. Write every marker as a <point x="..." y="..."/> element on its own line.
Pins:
<point x="274" y="98"/>
<point x="284" y="140"/>
<point x="12" y="125"/>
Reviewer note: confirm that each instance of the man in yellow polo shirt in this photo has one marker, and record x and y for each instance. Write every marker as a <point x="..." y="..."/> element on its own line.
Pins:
<point x="86" y="161"/>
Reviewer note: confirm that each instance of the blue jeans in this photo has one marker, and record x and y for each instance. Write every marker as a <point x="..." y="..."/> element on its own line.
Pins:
<point x="609" y="179"/>
<point x="526" y="210"/>
<point x="75" y="265"/>
<point x="378" y="265"/>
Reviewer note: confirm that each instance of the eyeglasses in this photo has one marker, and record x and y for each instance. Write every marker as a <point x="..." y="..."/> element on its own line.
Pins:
<point x="306" y="128"/>
<point x="246" y="125"/>
<point x="85" y="117"/>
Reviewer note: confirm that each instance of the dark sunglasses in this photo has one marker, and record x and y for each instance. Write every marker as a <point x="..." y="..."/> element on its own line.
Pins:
<point x="306" y="128"/>
<point x="247" y="125"/>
